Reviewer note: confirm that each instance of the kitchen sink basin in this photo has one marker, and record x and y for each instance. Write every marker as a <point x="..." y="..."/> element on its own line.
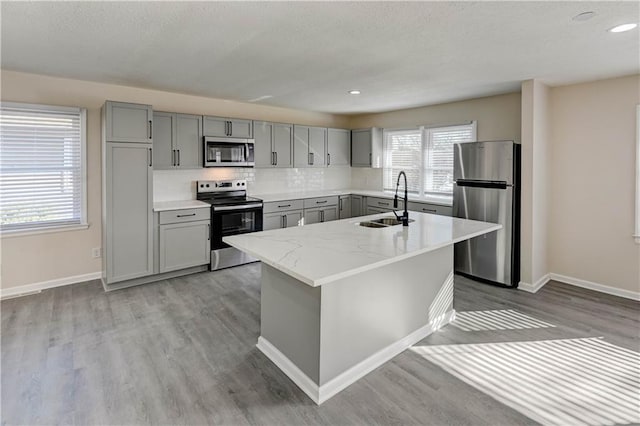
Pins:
<point x="382" y="222"/>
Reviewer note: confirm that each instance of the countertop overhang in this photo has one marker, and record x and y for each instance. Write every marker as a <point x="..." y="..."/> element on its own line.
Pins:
<point x="321" y="253"/>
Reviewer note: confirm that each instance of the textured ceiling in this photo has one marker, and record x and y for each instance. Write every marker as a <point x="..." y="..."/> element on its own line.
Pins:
<point x="307" y="55"/>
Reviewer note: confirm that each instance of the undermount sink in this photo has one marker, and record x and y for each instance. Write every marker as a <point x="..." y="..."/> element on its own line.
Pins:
<point x="382" y="222"/>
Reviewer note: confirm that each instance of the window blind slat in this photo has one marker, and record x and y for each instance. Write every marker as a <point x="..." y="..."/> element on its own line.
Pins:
<point x="41" y="172"/>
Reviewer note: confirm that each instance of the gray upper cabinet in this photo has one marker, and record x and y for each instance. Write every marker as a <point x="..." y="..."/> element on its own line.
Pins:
<point x="366" y="148"/>
<point x="128" y="227"/>
<point x="177" y="141"/>
<point x="338" y="147"/>
<point x="227" y="127"/>
<point x="125" y="122"/>
<point x="273" y="144"/>
<point x="309" y="146"/>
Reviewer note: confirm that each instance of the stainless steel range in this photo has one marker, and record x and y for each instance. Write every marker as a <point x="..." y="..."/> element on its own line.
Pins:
<point x="232" y="213"/>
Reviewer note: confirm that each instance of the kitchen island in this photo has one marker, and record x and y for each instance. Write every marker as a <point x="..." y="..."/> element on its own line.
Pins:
<point x="339" y="299"/>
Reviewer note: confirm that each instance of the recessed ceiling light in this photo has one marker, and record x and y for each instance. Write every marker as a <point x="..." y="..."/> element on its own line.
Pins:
<point x="354" y="92"/>
<point x="622" y="28"/>
<point x="584" y="16"/>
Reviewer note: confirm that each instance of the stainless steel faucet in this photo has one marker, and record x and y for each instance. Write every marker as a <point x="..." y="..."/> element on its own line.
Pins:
<point x="405" y="215"/>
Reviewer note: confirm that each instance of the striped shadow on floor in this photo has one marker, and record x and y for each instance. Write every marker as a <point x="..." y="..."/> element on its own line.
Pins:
<point x="555" y="382"/>
<point x="506" y="319"/>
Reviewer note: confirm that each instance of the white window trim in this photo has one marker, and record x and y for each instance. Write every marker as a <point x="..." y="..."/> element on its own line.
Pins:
<point x="443" y="199"/>
<point x="636" y="235"/>
<point x="84" y="224"/>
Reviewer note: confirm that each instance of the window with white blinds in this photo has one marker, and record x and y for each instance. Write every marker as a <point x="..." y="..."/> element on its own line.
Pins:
<point x="426" y="156"/>
<point x="42" y="167"/>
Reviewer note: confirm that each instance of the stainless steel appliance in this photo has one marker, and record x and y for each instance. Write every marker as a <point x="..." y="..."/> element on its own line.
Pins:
<point x="487" y="187"/>
<point x="232" y="213"/>
<point x="228" y="152"/>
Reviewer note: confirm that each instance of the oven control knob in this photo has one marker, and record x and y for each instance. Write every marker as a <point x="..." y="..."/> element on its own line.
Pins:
<point x="238" y="184"/>
<point x="242" y="183"/>
<point x="207" y="185"/>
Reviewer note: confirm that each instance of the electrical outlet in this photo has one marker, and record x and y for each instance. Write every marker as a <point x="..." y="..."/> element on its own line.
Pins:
<point x="96" y="252"/>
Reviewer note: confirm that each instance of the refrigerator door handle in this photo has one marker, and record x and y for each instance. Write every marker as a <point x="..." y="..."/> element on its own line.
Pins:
<point x="497" y="184"/>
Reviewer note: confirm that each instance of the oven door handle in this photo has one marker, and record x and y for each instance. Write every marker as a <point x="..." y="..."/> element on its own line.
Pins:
<point x="242" y="207"/>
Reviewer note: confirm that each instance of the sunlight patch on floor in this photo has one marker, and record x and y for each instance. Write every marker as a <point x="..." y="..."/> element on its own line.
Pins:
<point x="506" y="319"/>
<point x="556" y="382"/>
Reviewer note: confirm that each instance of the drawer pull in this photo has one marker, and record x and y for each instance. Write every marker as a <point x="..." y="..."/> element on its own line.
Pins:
<point x="382" y="204"/>
<point x="286" y="205"/>
<point x="429" y="210"/>
<point x="321" y="202"/>
<point x="186" y="215"/>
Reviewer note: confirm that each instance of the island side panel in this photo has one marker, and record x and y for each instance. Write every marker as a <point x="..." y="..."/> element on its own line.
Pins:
<point x="366" y="313"/>
<point x="290" y="319"/>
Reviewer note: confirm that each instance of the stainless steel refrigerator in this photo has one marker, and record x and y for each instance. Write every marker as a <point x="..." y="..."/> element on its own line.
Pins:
<point x="487" y="188"/>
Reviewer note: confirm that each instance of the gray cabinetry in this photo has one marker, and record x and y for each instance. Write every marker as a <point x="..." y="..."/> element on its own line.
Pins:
<point x="282" y="214"/>
<point x="184" y="239"/>
<point x="177" y="141"/>
<point x="125" y="122"/>
<point x="430" y="208"/>
<point x="338" y="147"/>
<point x="227" y="127"/>
<point x="309" y="146"/>
<point x="358" y="203"/>
<point x="128" y="198"/>
<point x="344" y="206"/>
<point x="320" y="214"/>
<point x="273" y="144"/>
<point x="366" y="147"/>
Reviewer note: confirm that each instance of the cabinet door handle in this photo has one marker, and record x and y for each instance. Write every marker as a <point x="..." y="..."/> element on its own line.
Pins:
<point x="185" y="215"/>
<point x="340" y="204"/>
<point x="150" y="129"/>
<point x="370" y="162"/>
<point x="328" y="159"/>
<point x="208" y="231"/>
<point x="150" y="157"/>
<point x="283" y="206"/>
<point x="272" y="159"/>
<point x="178" y="151"/>
<point x="285" y="221"/>
<point x="276" y="154"/>
<point x="230" y="128"/>
<point x="428" y="210"/>
<point x="226" y="128"/>
<point x="321" y="215"/>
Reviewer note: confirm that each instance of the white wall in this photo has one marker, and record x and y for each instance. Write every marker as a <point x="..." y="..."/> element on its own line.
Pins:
<point x="44" y="257"/>
<point x="535" y="186"/>
<point x="592" y="183"/>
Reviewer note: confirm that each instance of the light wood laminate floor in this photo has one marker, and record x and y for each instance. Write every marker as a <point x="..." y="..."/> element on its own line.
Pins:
<point x="182" y="351"/>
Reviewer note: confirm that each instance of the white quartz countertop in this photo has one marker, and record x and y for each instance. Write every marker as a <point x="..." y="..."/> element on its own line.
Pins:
<point x="286" y="196"/>
<point x="160" y="206"/>
<point x="324" y="252"/>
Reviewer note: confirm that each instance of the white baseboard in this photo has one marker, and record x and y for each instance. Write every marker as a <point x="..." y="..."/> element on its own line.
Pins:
<point x="320" y="394"/>
<point x="596" y="286"/>
<point x="23" y="290"/>
<point x="532" y="288"/>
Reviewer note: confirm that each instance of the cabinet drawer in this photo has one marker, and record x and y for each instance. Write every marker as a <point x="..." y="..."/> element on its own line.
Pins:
<point x="430" y="208"/>
<point x="383" y="203"/>
<point x="184" y="215"/>
<point x="320" y="202"/>
<point x="282" y="206"/>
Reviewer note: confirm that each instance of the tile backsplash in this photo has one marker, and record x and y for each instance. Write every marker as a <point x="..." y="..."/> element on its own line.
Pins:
<point x="180" y="184"/>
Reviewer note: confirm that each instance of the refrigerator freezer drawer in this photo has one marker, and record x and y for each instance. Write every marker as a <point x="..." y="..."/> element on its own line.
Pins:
<point x="490" y="256"/>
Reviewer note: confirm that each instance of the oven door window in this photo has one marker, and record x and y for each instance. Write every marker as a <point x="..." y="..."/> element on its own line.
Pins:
<point x="221" y="153"/>
<point x="241" y="222"/>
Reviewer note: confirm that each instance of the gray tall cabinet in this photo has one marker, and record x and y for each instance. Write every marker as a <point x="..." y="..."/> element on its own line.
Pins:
<point x="127" y="191"/>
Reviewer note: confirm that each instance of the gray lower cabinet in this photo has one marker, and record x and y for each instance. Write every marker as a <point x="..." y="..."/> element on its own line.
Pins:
<point x="273" y="144"/>
<point x="128" y="204"/>
<point x="377" y="210"/>
<point x="177" y="141"/>
<point x="279" y="220"/>
<point x="183" y="245"/>
<point x="430" y="208"/>
<point x="344" y="206"/>
<point x="384" y="203"/>
<point x="320" y="214"/>
<point x="126" y="122"/>
<point x="366" y="147"/>
<point x="338" y="147"/>
<point x="309" y="146"/>
<point x="358" y="203"/>
<point x="227" y="127"/>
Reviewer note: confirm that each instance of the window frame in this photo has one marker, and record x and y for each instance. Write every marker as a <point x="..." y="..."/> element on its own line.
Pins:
<point x="424" y="135"/>
<point x="636" y="234"/>
<point x="44" y="229"/>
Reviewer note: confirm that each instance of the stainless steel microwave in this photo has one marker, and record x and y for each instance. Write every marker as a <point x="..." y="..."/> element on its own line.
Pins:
<point x="228" y="152"/>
